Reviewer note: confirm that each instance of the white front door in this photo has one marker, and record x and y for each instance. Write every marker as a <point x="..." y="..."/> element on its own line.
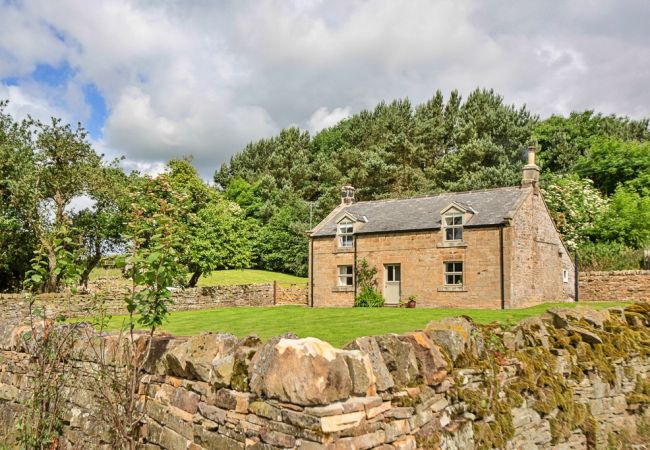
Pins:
<point x="392" y="281"/>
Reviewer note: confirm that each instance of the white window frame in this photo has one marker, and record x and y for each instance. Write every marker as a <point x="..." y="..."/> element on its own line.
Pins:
<point x="345" y="233"/>
<point x="565" y="275"/>
<point x="451" y="270"/>
<point x="345" y="275"/>
<point x="453" y="222"/>
<point x="396" y="271"/>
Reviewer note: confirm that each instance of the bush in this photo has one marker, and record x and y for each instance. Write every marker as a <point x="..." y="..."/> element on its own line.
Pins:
<point x="369" y="298"/>
<point x="608" y="256"/>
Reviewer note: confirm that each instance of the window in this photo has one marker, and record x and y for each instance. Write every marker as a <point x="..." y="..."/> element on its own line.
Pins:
<point x="345" y="276"/>
<point x="565" y="276"/>
<point x="345" y="231"/>
<point x="453" y="224"/>
<point x="393" y="272"/>
<point x="454" y="273"/>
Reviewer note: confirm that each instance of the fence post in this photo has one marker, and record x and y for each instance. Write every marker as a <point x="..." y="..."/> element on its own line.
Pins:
<point x="275" y="292"/>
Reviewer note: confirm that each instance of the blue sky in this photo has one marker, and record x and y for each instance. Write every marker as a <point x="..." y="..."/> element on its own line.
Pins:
<point x="154" y="80"/>
<point x="56" y="78"/>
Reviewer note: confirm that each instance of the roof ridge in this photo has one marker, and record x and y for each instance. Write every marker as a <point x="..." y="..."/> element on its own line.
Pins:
<point x="436" y="195"/>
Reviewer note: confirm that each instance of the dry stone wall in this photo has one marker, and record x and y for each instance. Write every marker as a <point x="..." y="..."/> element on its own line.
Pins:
<point x="573" y="379"/>
<point x="14" y="306"/>
<point x="619" y="285"/>
<point x="291" y="294"/>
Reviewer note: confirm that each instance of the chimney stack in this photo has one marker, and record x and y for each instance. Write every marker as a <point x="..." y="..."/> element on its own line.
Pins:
<point x="347" y="195"/>
<point x="530" y="176"/>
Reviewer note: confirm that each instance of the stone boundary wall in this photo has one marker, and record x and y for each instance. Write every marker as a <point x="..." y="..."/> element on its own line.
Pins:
<point x="574" y="379"/>
<point x="615" y="285"/>
<point x="13" y="306"/>
<point x="291" y="294"/>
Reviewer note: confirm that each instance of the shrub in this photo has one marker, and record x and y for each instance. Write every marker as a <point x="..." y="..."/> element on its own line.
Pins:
<point x="366" y="275"/>
<point x="369" y="298"/>
<point x="608" y="256"/>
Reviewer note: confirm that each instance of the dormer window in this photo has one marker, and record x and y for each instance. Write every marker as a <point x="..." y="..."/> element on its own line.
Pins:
<point x="453" y="225"/>
<point x="345" y="233"/>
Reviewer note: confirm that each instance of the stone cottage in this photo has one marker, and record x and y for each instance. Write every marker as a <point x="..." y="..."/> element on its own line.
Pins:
<point x="493" y="248"/>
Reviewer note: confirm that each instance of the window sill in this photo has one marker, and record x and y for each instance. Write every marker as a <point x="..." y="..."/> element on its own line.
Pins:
<point x="344" y="250"/>
<point x="343" y="289"/>
<point x="452" y="244"/>
<point x="452" y="289"/>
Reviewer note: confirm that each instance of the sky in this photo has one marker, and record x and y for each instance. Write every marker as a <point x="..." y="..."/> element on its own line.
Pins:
<point x="154" y="80"/>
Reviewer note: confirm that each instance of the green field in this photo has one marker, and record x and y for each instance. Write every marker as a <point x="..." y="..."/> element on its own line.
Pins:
<point x="218" y="277"/>
<point x="335" y="325"/>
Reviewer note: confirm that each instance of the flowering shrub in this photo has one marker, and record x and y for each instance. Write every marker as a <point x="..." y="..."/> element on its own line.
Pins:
<point x="576" y="206"/>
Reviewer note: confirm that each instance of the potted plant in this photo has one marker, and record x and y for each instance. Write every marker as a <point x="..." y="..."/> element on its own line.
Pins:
<point x="412" y="302"/>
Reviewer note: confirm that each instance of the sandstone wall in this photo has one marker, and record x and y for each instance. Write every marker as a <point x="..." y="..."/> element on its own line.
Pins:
<point x="421" y="256"/>
<point x="615" y="285"/>
<point x="16" y="306"/>
<point x="538" y="257"/>
<point x="577" y="379"/>
<point x="291" y="294"/>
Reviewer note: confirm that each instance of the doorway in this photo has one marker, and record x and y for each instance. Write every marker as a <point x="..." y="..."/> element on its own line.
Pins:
<point x="392" y="284"/>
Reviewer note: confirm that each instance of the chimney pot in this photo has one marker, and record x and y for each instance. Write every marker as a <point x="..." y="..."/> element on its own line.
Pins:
<point x="530" y="177"/>
<point x="531" y="155"/>
<point x="347" y="194"/>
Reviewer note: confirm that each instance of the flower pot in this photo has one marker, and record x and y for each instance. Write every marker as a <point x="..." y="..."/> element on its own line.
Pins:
<point x="411" y="304"/>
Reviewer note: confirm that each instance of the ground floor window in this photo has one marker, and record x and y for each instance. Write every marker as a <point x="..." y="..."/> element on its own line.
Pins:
<point x="345" y="275"/>
<point x="454" y="273"/>
<point x="565" y="276"/>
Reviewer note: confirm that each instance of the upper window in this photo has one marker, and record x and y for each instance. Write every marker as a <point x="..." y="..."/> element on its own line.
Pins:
<point x="454" y="273"/>
<point x="345" y="275"/>
<point x="345" y="233"/>
<point x="453" y="224"/>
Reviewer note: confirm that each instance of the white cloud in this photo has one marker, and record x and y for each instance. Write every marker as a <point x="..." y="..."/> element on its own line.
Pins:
<point x="205" y="78"/>
<point x="324" y="118"/>
<point x="34" y="102"/>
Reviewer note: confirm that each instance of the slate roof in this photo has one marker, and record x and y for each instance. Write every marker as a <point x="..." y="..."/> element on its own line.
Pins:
<point x="490" y="207"/>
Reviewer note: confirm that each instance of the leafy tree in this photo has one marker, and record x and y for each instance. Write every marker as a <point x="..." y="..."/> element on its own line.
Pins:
<point x="282" y="242"/>
<point x="100" y="229"/>
<point x="627" y="220"/>
<point x="45" y="167"/>
<point x="612" y="162"/>
<point x="563" y="140"/>
<point x="219" y="239"/>
<point x="17" y="178"/>
<point x="216" y="235"/>
<point x="155" y="232"/>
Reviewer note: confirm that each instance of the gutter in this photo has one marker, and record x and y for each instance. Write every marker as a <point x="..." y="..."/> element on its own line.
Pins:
<point x="311" y="272"/>
<point x="501" y="265"/>
<point x="354" y="269"/>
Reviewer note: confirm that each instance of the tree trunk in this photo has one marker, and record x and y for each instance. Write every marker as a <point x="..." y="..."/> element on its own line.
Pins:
<point x="53" y="279"/>
<point x="91" y="263"/>
<point x="195" y="278"/>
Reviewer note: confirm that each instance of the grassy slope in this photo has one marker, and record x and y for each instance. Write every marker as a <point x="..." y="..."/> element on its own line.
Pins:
<point x="335" y="325"/>
<point x="247" y="276"/>
<point x="219" y="277"/>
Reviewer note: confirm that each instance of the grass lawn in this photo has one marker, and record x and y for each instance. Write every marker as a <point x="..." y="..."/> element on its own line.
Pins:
<point x="247" y="276"/>
<point x="218" y="277"/>
<point x="338" y="326"/>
